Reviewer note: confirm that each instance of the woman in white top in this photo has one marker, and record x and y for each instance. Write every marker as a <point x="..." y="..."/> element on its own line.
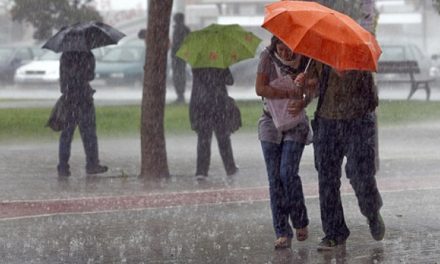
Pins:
<point x="282" y="150"/>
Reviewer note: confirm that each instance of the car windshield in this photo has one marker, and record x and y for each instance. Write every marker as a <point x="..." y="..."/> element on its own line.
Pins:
<point x="5" y="54"/>
<point x="124" y="54"/>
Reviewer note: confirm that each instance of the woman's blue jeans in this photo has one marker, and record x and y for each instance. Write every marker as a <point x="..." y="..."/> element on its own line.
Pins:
<point x="285" y="186"/>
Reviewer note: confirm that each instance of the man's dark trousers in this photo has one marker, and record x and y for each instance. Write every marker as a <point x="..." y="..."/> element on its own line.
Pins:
<point x="355" y="140"/>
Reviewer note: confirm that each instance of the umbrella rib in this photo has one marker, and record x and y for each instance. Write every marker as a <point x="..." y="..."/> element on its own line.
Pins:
<point x="219" y="47"/>
<point x="345" y="43"/>
<point x="200" y="55"/>
<point x="305" y="33"/>
<point x="350" y="26"/>
<point x="246" y="50"/>
<point x="321" y="19"/>
<point x="357" y="33"/>
<point x="83" y="37"/>
<point x="309" y="28"/>
<point x="225" y="49"/>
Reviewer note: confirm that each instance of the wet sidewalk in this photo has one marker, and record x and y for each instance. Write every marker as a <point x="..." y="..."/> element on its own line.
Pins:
<point x="118" y="218"/>
<point x="221" y="233"/>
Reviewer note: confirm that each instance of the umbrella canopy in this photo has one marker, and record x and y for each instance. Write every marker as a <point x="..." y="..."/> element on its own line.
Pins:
<point x="218" y="46"/>
<point x="83" y="37"/>
<point x="323" y="34"/>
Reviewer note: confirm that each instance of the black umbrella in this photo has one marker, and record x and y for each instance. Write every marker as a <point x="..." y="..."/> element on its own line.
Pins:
<point x="83" y="37"/>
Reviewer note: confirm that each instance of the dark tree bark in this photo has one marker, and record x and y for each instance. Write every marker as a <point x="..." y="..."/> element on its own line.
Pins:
<point x="154" y="162"/>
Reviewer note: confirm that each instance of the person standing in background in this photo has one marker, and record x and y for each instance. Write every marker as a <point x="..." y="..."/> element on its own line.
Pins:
<point x="77" y="69"/>
<point x="211" y="110"/>
<point x="178" y="65"/>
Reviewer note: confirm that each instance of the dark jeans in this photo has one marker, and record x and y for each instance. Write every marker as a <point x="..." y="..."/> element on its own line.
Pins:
<point x="83" y="116"/>
<point x="285" y="186"/>
<point x="354" y="139"/>
<point x="179" y="77"/>
<point x="204" y="137"/>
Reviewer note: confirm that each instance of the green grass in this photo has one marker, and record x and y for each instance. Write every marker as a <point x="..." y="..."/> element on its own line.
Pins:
<point x="114" y="121"/>
<point x="396" y="112"/>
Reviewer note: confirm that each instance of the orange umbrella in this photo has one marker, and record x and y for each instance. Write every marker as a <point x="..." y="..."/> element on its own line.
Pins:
<point x="323" y="34"/>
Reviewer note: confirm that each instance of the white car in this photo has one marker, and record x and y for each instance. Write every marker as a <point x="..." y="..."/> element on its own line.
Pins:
<point x="44" y="70"/>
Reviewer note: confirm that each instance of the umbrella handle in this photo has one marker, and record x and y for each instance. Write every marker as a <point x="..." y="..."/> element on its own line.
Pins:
<point x="308" y="65"/>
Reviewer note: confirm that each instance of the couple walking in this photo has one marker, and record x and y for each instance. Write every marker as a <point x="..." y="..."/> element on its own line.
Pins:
<point x="344" y="126"/>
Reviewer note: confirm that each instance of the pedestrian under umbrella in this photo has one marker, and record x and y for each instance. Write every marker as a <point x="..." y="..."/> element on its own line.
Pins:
<point x="77" y="69"/>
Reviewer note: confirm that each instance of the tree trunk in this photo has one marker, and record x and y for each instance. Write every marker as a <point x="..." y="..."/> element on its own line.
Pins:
<point x="154" y="162"/>
<point x="368" y="15"/>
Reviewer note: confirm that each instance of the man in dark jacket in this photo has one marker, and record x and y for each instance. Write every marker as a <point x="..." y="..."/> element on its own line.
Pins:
<point x="212" y="110"/>
<point x="344" y="126"/>
<point x="77" y="69"/>
<point x="179" y="65"/>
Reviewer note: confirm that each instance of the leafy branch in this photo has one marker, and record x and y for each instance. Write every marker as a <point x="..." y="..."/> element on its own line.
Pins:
<point x="49" y="15"/>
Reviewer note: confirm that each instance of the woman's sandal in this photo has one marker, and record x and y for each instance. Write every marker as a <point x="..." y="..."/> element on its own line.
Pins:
<point x="283" y="242"/>
<point x="302" y="234"/>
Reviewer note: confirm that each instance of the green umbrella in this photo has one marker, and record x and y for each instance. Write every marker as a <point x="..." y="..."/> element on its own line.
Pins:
<point x="218" y="46"/>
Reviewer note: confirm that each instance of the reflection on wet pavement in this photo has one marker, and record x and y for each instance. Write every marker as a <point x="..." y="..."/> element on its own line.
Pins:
<point x="119" y="218"/>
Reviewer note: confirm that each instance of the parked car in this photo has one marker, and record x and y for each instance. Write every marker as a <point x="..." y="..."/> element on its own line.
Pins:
<point x="11" y="58"/>
<point x="169" y="72"/>
<point x="122" y="64"/>
<point x="44" y="69"/>
<point x="245" y="71"/>
<point x="405" y="52"/>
